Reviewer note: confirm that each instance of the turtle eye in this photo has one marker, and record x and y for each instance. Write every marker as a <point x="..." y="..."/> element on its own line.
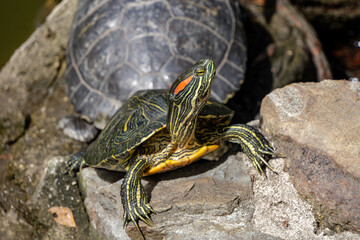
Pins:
<point x="199" y="71"/>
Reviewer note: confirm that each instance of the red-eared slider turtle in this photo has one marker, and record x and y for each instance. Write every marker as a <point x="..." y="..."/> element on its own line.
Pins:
<point x="159" y="130"/>
<point x="119" y="47"/>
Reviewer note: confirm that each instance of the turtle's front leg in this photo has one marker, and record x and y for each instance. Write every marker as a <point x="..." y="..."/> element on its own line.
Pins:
<point x="133" y="196"/>
<point x="75" y="163"/>
<point x="253" y="143"/>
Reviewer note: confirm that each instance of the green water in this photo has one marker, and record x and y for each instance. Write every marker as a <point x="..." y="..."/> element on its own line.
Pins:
<point x="17" y="21"/>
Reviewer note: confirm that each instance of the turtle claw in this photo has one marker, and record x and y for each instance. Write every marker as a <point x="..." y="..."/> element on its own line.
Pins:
<point x="258" y="149"/>
<point x="258" y="167"/>
<point x="137" y="213"/>
<point x="260" y="154"/>
<point x="74" y="163"/>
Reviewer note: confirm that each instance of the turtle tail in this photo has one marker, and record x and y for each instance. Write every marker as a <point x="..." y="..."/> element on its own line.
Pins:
<point x="75" y="162"/>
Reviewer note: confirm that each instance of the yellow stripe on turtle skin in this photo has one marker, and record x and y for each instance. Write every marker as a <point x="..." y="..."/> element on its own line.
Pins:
<point x="126" y="123"/>
<point x="131" y="181"/>
<point x="171" y="164"/>
<point x="151" y="104"/>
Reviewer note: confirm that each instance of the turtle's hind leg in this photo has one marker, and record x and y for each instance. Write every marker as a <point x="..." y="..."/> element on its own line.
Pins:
<point x="133" y="196"/>
<point x="78" y="128"/>
<point x="75" y="162"/>
<point x="253" y="143"/>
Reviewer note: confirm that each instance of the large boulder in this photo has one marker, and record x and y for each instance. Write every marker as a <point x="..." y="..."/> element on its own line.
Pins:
<point x="32" y="72"/>
<point x="316" y="127"/>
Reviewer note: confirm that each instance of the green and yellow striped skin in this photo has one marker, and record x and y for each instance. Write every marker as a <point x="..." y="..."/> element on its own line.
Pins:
<point x="161" y="130"/>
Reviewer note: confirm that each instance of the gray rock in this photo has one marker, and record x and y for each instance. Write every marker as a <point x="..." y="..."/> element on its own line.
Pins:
<point x="13" y="227"/>
<point x="316" y="127"/>
<point x="32" y="70"/>
<point x="281" y="212"/>
<point x="58" y="190"/>
<point x="206" y="200"/>
<point x="30" y="92"/>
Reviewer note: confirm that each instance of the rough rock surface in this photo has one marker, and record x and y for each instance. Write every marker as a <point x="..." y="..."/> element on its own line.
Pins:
<point x="280" y="212"/>
<point x="33" y="99"/>
<point x="317" y="128"/>
<point x="206" y="200"/>
<point x="26" y="81"/>
<point x="58" y="190"/>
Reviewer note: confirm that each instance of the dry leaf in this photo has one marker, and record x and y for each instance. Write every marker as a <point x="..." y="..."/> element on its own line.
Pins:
<point x="63" y="216"/>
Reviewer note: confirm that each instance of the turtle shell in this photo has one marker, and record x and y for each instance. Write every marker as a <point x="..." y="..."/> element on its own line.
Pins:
<point x="140" y="118"/>
<point x="119" y="47"/>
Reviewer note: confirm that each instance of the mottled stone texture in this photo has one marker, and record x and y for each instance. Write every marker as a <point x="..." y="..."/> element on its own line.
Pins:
<point x="32" y="98"/>
<point x="33" y="69"/>
<point x="207" y="200"/>
<point x="202" y="201"/>
<point x="316" y="127"/>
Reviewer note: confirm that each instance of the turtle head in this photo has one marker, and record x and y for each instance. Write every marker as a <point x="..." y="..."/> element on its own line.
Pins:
<point x="188" y="95"/>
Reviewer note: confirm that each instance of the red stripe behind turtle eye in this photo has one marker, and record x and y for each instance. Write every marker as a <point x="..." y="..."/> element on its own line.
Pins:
<point x="183" y="84"/>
